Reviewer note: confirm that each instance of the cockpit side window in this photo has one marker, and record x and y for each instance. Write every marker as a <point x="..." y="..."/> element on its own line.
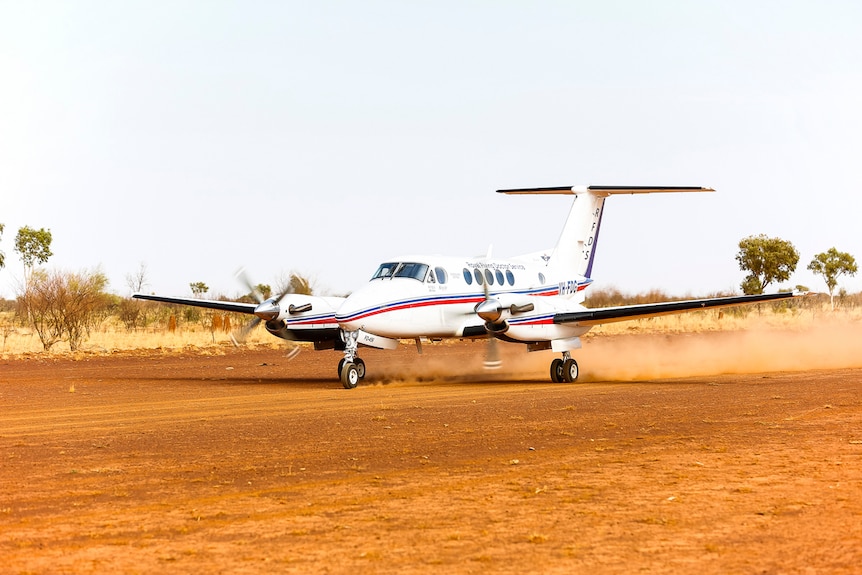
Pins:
<point x="391" y="270"/>
<point x="442" y="276"/>
<point x="384" y="271"/>
<point x="411" y="270"/>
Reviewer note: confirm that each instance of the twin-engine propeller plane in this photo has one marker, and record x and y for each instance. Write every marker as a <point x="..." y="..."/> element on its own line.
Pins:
<point x="535" y="299"/>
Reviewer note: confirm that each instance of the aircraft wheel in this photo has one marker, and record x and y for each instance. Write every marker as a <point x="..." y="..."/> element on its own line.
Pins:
<point x="349" y="375"/>
<point x="360" y="367"/>
<point x="557" y="370"/>
<point x="340" y="365"/>
<point x="570" y="371"/>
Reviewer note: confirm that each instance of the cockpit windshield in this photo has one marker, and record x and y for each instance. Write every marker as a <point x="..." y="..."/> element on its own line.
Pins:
<point x="390" y="270"/>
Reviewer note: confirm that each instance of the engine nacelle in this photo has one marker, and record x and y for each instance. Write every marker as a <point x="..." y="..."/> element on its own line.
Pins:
<point x="278" y="328"/>
<point x="496" y="328"/>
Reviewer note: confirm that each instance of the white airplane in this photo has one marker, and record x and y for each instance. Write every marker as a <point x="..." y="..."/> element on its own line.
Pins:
<point x="534" y="299"/>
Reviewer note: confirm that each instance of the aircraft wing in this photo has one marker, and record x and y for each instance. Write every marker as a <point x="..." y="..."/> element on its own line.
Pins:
<point x="233" y="306"/>
<point x="622" y="313"/>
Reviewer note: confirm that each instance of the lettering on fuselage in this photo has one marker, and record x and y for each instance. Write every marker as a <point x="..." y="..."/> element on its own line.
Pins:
<point x="568" y="287"/>
<point x="495" y="266"/>
<point x="588" y="245"/>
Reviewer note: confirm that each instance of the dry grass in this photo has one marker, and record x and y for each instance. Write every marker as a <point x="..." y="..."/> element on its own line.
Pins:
<point x="732" y="320"/>
<point x="112" y="336"/>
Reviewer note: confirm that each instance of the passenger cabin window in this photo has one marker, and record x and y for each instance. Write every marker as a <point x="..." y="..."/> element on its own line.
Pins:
<point x="412" y="270"/>
<point x="499" y="275"/>
<point x="489" y="277"/>
<point x="510" y="277"/>
<point x="478" y="275"/>
<point x="468" y="277"/>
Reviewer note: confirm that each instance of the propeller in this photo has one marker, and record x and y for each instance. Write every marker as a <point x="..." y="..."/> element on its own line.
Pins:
<point x="266" y="310"/>
<point x="490" y="310"/>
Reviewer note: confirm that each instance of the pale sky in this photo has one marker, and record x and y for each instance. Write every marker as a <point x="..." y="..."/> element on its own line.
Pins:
<point x="326" y="137"/>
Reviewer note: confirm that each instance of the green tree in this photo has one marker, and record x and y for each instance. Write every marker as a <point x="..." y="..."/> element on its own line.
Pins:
<point x="766" y="260"/>
<point x="294" y="283"/>
<point x="34" y="247"/>
<point x="831" y="264"/>
<point x="199" y="288"/>
<point x="298" y="284"/>
<point x="257" y="294"/>
<point x="264" y="290"/>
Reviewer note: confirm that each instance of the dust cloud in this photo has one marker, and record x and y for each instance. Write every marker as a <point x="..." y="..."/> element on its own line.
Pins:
<point x="654" y="356"/>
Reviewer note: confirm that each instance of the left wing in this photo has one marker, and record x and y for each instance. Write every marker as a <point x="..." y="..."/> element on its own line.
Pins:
<point x="626" y="312"/>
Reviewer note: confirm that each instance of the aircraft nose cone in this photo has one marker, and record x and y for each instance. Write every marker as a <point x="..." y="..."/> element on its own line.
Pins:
<point x="267" y="310"/>
<point x="490" y="310"/>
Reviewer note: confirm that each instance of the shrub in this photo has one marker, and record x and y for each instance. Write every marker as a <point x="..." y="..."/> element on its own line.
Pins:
<point x="65" y="305"/>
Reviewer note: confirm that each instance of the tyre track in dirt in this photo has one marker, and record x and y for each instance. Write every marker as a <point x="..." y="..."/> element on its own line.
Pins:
<point x="236" y="463"/>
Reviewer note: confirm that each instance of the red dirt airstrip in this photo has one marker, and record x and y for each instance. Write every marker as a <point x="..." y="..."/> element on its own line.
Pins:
<point x="224" y="460"/>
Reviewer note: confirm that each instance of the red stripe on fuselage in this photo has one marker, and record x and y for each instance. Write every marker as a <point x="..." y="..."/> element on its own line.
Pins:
<point x="416" y="304"/>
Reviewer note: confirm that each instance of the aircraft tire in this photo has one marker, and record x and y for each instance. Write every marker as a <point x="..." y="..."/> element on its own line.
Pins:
<point x="340" y="365"/>
<point x="349" y="375"/>
<point x="360" y="367"/>
<point x="557" y="370"/>
<point x="570" y="371"/>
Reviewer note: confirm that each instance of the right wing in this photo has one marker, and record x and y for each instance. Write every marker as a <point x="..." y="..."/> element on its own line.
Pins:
<point x="626" y="312"/>
<point x="292" y="317"/>
<point x="236" y="307"/>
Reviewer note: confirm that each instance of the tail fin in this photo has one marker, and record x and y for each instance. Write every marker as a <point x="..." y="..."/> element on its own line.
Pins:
<point x="576" y="247"/>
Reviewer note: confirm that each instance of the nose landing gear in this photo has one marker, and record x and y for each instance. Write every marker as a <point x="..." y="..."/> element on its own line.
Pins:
<point x="565" y="369"/>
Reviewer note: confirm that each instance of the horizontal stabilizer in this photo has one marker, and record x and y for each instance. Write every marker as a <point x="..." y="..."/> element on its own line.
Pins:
<point x="605" y="190"/>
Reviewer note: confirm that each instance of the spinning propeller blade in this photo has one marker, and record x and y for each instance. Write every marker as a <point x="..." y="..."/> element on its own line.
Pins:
<point x="490" y="310"/>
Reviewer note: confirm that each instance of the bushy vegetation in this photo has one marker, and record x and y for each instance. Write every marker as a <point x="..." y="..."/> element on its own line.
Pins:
<point x="124" y="323"/>
<point x="67" y="307"/>
<point x="611" y="296"/>
<point x="64" y="306"/>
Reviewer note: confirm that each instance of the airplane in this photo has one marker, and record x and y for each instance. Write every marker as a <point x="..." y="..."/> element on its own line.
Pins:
<point x="534" y="299"/>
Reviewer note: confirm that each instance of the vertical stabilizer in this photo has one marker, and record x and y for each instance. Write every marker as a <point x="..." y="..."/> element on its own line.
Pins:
<point x="576" y="248"/>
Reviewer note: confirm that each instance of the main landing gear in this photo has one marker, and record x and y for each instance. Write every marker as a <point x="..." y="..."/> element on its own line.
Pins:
<point x="351" y="368"/>
<point x="350" y="372"/>
<point x="565" y="369"/>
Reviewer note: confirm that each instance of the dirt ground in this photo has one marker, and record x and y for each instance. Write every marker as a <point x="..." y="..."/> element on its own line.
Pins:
<point x="230" y="460"/>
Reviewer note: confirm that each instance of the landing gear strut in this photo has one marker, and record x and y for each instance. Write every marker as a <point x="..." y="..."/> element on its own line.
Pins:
<point x="351" y="368"/>
<point x="565" y="369"/>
